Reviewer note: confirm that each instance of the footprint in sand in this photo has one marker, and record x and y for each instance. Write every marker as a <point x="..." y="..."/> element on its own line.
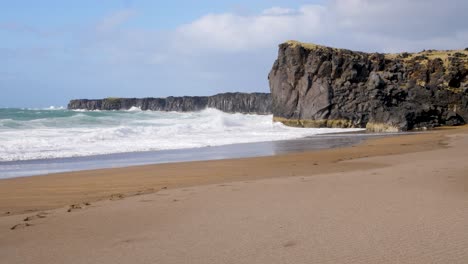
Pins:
<point x="130" y="241"/>
<point x="37" y="216"/>
<point x="116" y="196"/>
<point x="20" y="226"/>
<point x="74" y="207"/>
<point x="289" y="244"/>
<point x="147" y="191"/>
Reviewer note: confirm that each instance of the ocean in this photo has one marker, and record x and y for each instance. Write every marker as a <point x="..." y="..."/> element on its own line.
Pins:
<point x="31" y="137"/>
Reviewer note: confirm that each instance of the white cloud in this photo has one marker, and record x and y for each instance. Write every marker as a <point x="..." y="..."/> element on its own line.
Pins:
<point x="411" y="19"/>
<point x="231" y="32"/>
<point x="360" y="24"/>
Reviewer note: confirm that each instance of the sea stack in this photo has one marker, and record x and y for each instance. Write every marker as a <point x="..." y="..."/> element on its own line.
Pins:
<point x="318" y="86"/>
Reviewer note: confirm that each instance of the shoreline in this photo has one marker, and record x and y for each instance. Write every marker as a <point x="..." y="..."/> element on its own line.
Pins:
<point x="44" y="192"/>
<point x="35" y="167"/>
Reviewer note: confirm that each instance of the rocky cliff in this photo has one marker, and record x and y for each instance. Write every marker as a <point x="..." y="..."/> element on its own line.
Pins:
<point x="317" y="86"/>
<point x="254" y="103"/>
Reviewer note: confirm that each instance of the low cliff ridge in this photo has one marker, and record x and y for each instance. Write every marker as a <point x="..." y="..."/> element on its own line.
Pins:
<point x="318" y="86"/>
<point x="252" y="103"/>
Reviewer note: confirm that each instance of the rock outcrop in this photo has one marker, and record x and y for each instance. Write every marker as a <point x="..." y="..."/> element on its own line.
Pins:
<point x="317" y="86"/>
<point x="252" y="103"/>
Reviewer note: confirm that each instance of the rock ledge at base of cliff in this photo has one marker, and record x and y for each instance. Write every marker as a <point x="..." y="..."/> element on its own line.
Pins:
<point x="248" y="103"/>
<point x="318" y="86"/>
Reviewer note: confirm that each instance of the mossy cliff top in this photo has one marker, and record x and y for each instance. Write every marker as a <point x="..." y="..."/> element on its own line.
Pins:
<point x="424" y="56"/>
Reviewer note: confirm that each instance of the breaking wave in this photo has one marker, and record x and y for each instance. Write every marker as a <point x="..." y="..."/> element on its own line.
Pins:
<point x="27" y="134"/>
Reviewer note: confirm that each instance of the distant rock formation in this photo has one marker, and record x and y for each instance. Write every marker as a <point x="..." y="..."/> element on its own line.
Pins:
<point x="250" y="103"/>
<point x="317" y="86"/>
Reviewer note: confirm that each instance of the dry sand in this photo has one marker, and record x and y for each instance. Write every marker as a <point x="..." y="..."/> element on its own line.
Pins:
<point x="392" y="200"/>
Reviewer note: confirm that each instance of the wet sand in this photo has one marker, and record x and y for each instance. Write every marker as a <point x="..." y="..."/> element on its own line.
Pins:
<point x="391" y="200"/>
<point x="29" y="194"/>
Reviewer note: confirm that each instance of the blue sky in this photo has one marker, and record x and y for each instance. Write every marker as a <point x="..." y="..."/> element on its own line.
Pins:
<point x="53" y="51"/>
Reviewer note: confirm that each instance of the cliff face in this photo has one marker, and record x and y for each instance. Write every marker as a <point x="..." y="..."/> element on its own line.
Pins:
<point x="254" y="103"/>
<point x="316" y="86"/>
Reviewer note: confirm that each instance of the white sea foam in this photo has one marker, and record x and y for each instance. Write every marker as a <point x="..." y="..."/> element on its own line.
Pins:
<point x="72" y="134"/>
<point x="55" y="107"/>
<point x="134" y="109"/>
<point x="52" y="107"/>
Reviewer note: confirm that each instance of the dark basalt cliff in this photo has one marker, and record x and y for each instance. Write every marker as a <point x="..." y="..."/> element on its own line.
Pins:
<point x="316" y="86"/>
<point x="254" y="103"/>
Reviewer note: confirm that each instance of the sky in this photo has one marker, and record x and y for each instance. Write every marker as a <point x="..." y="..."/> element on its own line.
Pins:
<point x="54" y="50"/>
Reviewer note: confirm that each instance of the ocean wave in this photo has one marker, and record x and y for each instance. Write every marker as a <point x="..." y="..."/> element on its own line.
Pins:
<point x="50" y="108"/>
<point x="71" y="134"/>
<point x="85" y="110"/>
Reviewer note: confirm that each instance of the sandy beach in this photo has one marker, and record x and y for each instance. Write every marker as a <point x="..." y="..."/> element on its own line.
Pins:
<point x="401" y="199"/>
